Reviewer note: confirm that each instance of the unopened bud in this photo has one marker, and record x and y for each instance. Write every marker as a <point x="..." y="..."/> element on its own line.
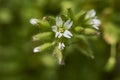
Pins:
<point x="78" y="29"/>
<point x="34" y="21"/>
<point x="42" y="36"/>
<point x="89" y="31"/>
<point x="42" y="47"/>
<point x="111" y="63"/>
<point x="44" y="23"/>
<point x="36" y="49"/>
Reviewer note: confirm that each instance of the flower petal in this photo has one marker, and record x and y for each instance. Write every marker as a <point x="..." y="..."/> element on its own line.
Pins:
<point x="90" y="14"/>
<point x="96" y="27"/>
<point x="60" y="35"/>
<point x="68" y="24"/>
<point x="95" y="23"/>
<point x="66" y="35"/>
<point x="57" y="34"/>
<point x="68" y="32"/>
<point x="54" y="28"/>
<point x="61" y="46"/>
<point x="59" y="21"/>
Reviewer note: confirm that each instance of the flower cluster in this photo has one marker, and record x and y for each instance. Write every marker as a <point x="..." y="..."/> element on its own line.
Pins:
<point x="62" y="32"/>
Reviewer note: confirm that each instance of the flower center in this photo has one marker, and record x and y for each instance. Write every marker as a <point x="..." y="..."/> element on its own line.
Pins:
<point x="61" y="30"/>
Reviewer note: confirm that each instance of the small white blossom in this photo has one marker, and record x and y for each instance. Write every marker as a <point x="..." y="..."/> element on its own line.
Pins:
<point x="36" y="49"/>
<point x="34" y="21"/>
<point x="92" y="19"/>
<point x="61" y="46"/>
<point x="95" y="23"/>
<point x="90" y="14"/>
<point x="62" y="28"/>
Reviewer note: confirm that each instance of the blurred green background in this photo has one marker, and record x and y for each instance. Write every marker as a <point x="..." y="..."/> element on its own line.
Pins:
<point x="17" y="60"/>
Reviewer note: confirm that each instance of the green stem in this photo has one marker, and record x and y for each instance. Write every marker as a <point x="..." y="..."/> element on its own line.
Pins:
<point x="111" y="61"/>
<point x="113" y="51"/>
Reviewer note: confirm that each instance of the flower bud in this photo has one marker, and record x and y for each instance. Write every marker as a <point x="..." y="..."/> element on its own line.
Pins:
<point x="34" y="21"/>
<point x="58" y="53"/>
<point x="44" y="23"/>
<point x="42" y="36"/>
<point x="89" y="31"/>
<point x="78" y="29"/>
<point x="111" y="63"/>
<point x="42" y="47"/>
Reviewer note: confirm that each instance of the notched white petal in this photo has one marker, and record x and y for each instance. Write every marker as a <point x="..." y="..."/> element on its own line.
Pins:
<point x="96" y="27"/>
<point x="90" y="14"/>
<point x="54" y="28"/>
<point x="68" y="33"/>
<point x="95" y="23"/>
<point x="59" y="21"/>
<point x="60" y="35"/>
<point x="68" y="24"/>
<point x="57" y="34"/>
<point x="61" y="46"/>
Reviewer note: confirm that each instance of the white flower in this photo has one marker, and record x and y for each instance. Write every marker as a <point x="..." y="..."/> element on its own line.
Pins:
<point x="61" y="28"/>
<point x="61" y="46"/>
<point x="36" y="49"/>
<point x="90" y="14"/>
<point x="92" y="19"/>
<point x="34" y="21"/>
<point x="95" y="23"/>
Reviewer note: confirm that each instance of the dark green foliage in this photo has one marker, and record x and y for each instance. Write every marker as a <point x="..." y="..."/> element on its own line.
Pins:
<point x="18" y="62"/>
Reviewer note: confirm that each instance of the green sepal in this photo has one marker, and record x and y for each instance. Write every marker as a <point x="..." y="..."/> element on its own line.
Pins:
<point x="44" y="23"/>
<point x="79" y="15"/>
<point x="42" y="36"/>
<point x="58" y="53"/>
<point x="83" y="46"/>
<point x="78" y="29"/>
<point x="90" y="31"/>
<point x="44" y="46"/>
